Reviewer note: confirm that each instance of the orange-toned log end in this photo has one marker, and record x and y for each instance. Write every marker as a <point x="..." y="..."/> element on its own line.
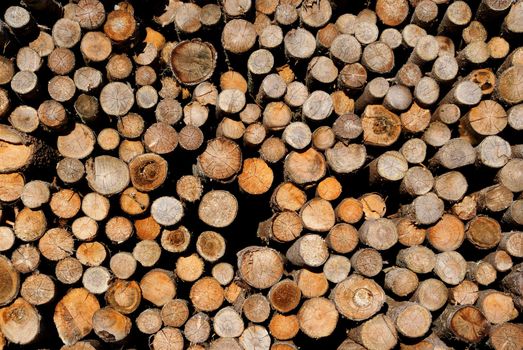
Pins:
<point x="20" y="322"/>
<point x="381" y="127"/>
<point x="73" y="315"/>
<point x="193" y="62"/>
<point x="256" y="177"/>
<point x="120" y="25"/>
<point x="466" y="323"/>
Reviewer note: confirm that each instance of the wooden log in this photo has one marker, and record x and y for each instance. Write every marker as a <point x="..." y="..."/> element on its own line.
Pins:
<point x="123" y="265"/>
<point x="374" y="91"/>
<point x="358" y="298"/>
<point x="411" y="320"/>
<point x="342" y="238"/>
<point x="408" y="233"/>
<point x="158" y="286"/>
<point x="388" y="130"/>
<point x="21" y="22"/>
<point x="502" y="335"/>
<point x="366" y="333"/>
<point x="380" y="234"/>
<point x="25" y="258"/>
<point x="149" y="321"/>
<point x="419" y="259"/>
<point x="75" y="303"/>
<point x="432" y="294"/>
<point x="504" y="90"/>
<point x="448" y="234"/>
<point x="318" y="317"/>
<point x="309" y="250"/>
<point x="378" y="58"/>
<point x="450" y="267"/>
<point x="510" y="243"/>
<point x="472" y="325"/>
<point x="189" y="71"/>
<point x="483" y="273"/>
<point x="510" y="177"/>
<point x="400" y="281"/>
<point x="252" y="274"/>
<point x="68" y="270"/>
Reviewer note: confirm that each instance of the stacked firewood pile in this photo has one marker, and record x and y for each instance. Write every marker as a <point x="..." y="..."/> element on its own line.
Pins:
<point x="261" y="175"/>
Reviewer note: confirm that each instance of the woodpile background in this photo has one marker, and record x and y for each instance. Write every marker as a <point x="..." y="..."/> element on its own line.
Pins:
<point x="261" y="174"/>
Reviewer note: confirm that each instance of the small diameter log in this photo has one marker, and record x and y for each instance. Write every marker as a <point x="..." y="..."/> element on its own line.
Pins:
<point x="507" y="81"/>
<point x="390" y="166"/>
<point x="448" y="234"/>
<point x="197" y="329"/>
<point x="494" y="152"/>
<point x="417" y="181"/>
<point x="511" y="243"/>
<point x="358" y="298"/>
<point x="221" y="160"/>
<point x="256" y="176"/>
<point x="175" y="313"/>
<point x="256" y="308"/>
<point x="107" y="175"/>
<point x="450" y="267"/>
<point x="149" y="321"/>
<point x="310" y="250"/>
<point x="418" y="259"/>
<point x="174" y="241"/>
<point x="218" y="199"/>
<point x="123" y="265"/>
<point x="20" y="322"/>
<point x="454" y="154"/>
<point x="73" y="315"/>
<point x="207" y="294"/>
<point x="21" y="22"/>
<point x="483" y="232"/>
<point x="235" y="43"/>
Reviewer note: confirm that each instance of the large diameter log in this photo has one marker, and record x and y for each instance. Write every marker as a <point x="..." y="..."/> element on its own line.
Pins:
<point x="193" y="62"/>
<point x="19" y="151"/>
<point x="10" y="281"/>
<point x="466" y="323"/>
<point x="73" y="315"/>
<point x="358" y="298"/>
<point x="20" y="322"/>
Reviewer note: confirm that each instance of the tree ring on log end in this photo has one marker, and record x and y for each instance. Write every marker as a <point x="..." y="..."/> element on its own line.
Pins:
<point x="193" y="61"/>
